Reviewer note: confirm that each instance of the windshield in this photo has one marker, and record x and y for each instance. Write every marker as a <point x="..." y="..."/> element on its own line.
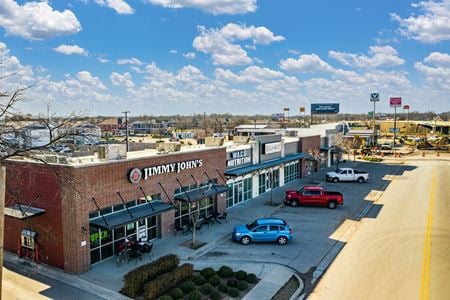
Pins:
<point x="251" y="225"/>
<point x="300" y="190"/>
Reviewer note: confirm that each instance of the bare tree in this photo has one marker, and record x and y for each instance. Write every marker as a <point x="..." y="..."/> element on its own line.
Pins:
<point x="13" y="128"/>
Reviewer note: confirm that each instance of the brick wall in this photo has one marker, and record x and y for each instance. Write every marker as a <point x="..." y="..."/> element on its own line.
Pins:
<point x="305" y="145"/>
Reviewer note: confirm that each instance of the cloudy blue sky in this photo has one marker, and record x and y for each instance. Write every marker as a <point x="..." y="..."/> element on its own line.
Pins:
<point x="101" y="57"/>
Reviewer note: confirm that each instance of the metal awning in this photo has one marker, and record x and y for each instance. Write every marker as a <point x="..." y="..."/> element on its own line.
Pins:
<point x="201" y="193"/>
<point x="267" y="164"/>
<point x="20" y="211"/>
<point x="122" y="217"/>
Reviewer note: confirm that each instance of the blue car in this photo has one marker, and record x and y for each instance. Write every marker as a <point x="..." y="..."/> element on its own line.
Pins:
<point x="263" y="230"/>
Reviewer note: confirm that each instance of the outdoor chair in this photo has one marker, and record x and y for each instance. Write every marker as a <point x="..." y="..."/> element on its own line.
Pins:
<point x="146" y="248"/>
<point x="134" y="253"/>
<point x="223" y="217"/>
<point x="207" y="221"/>
<point x="184" y="229"/>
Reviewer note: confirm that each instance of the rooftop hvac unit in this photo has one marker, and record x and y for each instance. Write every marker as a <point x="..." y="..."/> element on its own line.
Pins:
<point x="52" y="159"/>
<point x="112" y="152"/>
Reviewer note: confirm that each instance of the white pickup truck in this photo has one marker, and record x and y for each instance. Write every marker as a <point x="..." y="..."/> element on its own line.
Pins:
<point x="347" y="174"/>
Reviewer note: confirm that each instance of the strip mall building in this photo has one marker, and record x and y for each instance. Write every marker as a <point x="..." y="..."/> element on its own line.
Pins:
<point x="74" y="212"/>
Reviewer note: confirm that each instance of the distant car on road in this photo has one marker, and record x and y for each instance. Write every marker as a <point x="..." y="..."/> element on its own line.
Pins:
<point x="387" y="146"/>
<point x="314" y="196"/>
<point x="347" y="174"/>
<point x="263" y="230"/>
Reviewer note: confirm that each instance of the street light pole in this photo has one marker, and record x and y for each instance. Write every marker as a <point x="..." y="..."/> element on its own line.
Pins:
<point x="126" y="127"/>
<point x="373" y="133"/>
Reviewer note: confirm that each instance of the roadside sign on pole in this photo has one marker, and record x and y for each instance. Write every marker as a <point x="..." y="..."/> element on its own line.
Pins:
<point x="395" y="102"/>
<point x="394" y="129"/>
<point x="370" y="113"/>
<point x="302" y="109"/>
<point x="405" y="106"/>
<point x="375" y="97"/>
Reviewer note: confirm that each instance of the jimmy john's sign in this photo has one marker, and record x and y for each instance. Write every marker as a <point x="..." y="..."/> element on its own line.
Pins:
<point x="135" y="175"/>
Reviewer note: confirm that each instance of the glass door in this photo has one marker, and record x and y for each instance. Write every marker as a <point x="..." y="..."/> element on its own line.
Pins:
<point x="238" y="192"/>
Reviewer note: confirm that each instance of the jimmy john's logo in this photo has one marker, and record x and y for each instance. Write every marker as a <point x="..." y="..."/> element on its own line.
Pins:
<point x="135" y="175"/>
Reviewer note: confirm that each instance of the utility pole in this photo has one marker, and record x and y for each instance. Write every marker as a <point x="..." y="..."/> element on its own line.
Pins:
<point x="2" y="220"/>
<point x="126" y="127"/>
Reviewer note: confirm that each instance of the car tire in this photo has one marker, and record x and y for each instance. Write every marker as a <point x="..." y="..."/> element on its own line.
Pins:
<point x="282" y="240"/>
<point x="332" y="204"/>
<point x="360" y="180"/>
<point x="294" y="203"/>
<point x="245" y="240"/>
<point x="335" y="180"/>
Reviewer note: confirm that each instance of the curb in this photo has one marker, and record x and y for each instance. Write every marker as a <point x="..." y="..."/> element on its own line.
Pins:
<point x="60" y="276"/>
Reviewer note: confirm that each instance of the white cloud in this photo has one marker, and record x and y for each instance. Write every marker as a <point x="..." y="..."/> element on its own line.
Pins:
<point x="130" y="61"/>
<point x="173" y="51"/>
<point x="85" y="77"/>
<point x="122" y="79"/>
<point x="437" y="76"/>
<point x="103" y="60"/>
<point x="120" y="6"/>
<point x="36" y="20"/>
<point x="295" y="52"/>
<point x="439" y="59"/>
<point x="382" y="56"/>
<point x="306" y="63"/>
<point x="215" y="7"/>
<point x="189" y="55"/>
<point x="222" y="43"/>
<point x="430" y="27"/>
<point x="71" y="49"/>
<point x="10" y="65"/>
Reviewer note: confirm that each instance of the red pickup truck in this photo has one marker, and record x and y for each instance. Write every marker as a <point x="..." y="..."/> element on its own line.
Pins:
<point x="313" y="195"/>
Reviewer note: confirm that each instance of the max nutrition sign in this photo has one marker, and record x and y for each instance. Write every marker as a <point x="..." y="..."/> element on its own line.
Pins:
<point x="136" y="174"/>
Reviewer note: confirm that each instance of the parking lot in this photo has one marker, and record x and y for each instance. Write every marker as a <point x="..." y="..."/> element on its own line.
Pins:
<point x="316" y="229"/>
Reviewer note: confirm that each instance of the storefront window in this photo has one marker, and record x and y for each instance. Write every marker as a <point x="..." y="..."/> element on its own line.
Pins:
<point x="247" y="188"/>
<point x="275" y="178"/>
<point x="230" y="195"/>
<point x="262" y="183"/>
<point x="291" y="172"/>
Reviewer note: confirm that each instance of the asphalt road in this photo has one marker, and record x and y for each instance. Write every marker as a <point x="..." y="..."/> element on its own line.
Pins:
<point x="402" y="249"/>
<point x="316" y="229"/>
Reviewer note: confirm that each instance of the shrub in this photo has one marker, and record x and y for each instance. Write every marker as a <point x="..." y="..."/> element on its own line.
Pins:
<point x="233" y="292"/>
<point x="214" y="280"/>
<point x="206" y="289"/>
<point x="232" y="282"/>
<point x="223" y="288"/>
<point x="165" y="297"/>
<point x="242" y="285"/>
<point x="225" y="272"/>
<point x="167" y="281"/>
<point x="188" y="286"/>
<point x="251" y="278"/>
<point x="176" y="293"/>
<point x="134" y="280"/>
<point x="198" y="280"/>
<point x="215" y="295"/>
<point x="207" y="272"/>
<point x="240" y="275"/>
<point x="194" y="295"/>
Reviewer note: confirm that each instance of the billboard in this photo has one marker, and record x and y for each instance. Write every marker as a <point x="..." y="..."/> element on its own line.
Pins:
<point x="302" y="109"/>
<point x="324" y="108"/>
<point x="395" y="102"/>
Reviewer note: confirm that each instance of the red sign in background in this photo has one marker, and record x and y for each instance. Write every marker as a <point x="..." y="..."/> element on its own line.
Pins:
<point x="397" y="101"/>
<point x="405" y="106"/>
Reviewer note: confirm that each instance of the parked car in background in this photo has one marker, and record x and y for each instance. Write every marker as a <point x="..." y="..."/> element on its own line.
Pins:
<point x="387" y="146"/>
<point x="347" y="174"/>
<point x="263" y="230"/>
<point x="314" y="196"/>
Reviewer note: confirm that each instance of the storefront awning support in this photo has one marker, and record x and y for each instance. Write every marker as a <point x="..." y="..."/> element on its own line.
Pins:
<point x="221" y="177"/>
<point x="24" y="211"/>
<point x="123" y="201"/>
<point x="212" y="183"/>
<point x="146" y="199"/>
<point x="184" y="191"/>
<point x="194" y="180"/>
<point x="98" y="208"/>
<point x="165" y="193"/>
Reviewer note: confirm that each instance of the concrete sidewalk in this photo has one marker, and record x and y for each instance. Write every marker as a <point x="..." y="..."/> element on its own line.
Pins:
<point x="105" y="278"/>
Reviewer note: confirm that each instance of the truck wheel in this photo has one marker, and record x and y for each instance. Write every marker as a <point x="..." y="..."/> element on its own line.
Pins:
<point x="332" y="204"/>
<point x="360" y="179"/>
<point x="294" y="203"/>
<point x="245" y="240"/>
<point x="335" y="180"/>
<point x="282" y="240"/>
